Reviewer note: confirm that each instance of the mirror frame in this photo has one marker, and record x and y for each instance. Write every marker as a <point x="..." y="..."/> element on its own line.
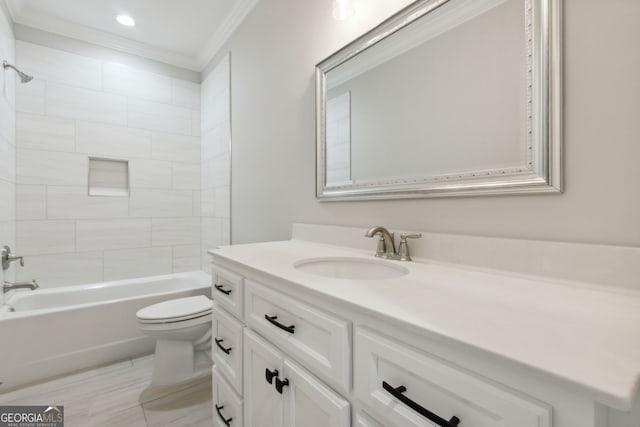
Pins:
<point x="544" y="175"/>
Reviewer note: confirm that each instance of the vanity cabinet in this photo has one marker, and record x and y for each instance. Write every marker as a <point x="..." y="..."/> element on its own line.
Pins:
<point x="280" y="393"/>
<point x="310" y="359"/>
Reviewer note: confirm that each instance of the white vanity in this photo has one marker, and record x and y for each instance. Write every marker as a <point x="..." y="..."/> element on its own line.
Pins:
<point x="425" y="343"/>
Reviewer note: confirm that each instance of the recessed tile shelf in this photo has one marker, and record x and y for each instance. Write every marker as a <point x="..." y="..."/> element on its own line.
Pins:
<point x="108" y="177"/>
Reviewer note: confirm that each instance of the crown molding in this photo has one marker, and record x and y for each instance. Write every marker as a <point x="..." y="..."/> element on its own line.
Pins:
<point x="222" y="34"/>
<point x="97" y="37"/>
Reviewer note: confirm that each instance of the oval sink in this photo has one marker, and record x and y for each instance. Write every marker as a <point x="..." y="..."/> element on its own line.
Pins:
<point x="351" y="268"/>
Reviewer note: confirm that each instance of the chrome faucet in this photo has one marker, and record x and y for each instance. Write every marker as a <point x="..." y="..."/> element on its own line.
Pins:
<point x="8" y="286"/>
<point x="386" y="244"/>
<point x="7" y="258"/>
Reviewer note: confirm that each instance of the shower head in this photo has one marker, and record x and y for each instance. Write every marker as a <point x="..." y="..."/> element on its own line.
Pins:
<point x="24" y="78"/>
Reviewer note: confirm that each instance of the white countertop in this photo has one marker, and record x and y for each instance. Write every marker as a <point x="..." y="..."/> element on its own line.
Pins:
<point x="586" y="335"/>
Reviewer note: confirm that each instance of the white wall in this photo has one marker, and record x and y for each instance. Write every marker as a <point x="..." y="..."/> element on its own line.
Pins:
<point x="7" y="144"/>
<point x="215" y="157"/>
<point x="274" y="54"/>
<point x="79" y="106"/>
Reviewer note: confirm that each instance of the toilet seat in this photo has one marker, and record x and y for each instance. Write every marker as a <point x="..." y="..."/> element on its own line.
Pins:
<point x="177" y="310"/>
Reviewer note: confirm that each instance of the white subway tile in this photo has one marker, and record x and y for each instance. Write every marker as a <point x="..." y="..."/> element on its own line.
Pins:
<point x="106" y="234"/>
<point x="197" y="203"/>
<point x="129" y="81"/>
<point x="130" y="263"/>
<point x="161" y="117"/>
<point x="30" y="97"/>
<point x="186" y="94"/>
<point x="160" y="203"/>
<point x="175" y="231"/>
<point x="182" y="265"/>
<point x="179" y="148"/>
<point x="52" y="168"/>
<point x="186" y="175"/>
<point x="207" y="203"/>
<point x="75" y="202"/>
<point x="84" y="104"/>
<point x="150" y="174"/>
<point x="31" y="202"/>
<point x="222" y="202"/>
<point x="59" y="66"/>
<point x="8" y="197"/>
<point x="54" y="270"/>
<point x="196" y="123"/>
<point x="211" y="233"/>
<point x="7" y="161"/>
<point x="7" y="121"/>
<point x="8" y="232"/>
<point x="112" y="140"/>
<point x="39" y="132"/>
<point x="45" y="237"/>
<point x="186" y="258"/>
<point x="216" y="142"/>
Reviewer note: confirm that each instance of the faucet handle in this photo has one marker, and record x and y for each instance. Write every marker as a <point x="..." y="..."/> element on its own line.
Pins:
<point x="405" y="236"/>
<point x="403" y="249"/>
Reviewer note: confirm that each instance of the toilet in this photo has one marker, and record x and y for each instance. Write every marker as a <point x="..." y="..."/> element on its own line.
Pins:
<point x="181" y="327"/>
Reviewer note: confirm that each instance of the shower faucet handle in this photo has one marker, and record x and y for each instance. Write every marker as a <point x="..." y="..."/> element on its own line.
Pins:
<point x="7" y="258"/>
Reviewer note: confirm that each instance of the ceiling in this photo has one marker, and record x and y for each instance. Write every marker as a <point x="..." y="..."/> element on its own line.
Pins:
<point x="186" y="33"/>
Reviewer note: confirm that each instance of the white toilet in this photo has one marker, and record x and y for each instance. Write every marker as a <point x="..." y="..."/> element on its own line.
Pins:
<point x="179" y="326"/>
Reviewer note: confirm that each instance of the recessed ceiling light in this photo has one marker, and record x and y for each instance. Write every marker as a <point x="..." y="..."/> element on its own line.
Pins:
<point x="125" y="20"/>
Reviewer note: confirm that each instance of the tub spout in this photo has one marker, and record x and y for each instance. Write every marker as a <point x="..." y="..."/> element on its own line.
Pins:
<point x="8" y="286"/>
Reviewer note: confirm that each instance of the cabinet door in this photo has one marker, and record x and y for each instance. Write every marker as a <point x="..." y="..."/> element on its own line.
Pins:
<point x="263" y="405"/>
<point x="310" y="403"/>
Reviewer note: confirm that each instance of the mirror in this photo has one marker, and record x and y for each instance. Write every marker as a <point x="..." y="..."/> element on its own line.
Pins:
<point x="445" y="98"/>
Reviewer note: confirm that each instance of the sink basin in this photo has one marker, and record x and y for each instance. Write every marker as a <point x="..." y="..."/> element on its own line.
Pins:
<point x="351" y="268"/>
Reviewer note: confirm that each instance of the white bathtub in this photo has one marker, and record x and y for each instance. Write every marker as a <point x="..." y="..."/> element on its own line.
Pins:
<point x="60" y="330"/>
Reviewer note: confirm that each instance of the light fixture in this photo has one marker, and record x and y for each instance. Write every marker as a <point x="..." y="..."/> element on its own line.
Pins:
<point x="126" y="20"/>
<point x="343" y="9"/>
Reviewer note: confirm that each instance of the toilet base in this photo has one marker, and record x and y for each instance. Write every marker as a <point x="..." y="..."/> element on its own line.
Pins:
<point x="174" y="362"/>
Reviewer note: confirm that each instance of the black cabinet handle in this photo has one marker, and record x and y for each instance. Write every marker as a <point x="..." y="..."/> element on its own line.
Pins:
<point x="226" y="350"/>
<point x="273" y="321"/>
<point x="270" y="374"/>
<point x="280" y="384"/>
<point x="220" y="288"/>
<point x="226" y="422"/>
<point x="397" y="393"/>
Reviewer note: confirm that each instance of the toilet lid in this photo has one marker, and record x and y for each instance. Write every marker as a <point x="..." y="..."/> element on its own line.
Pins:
<point x="181" y="308"/>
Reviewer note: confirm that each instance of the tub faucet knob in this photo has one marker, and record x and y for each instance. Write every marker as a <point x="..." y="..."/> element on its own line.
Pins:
<point x="8" y="258"/>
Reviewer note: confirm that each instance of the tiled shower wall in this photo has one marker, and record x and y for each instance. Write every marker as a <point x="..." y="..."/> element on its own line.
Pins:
<point x="7" y="145"/>
<point x="216" y="180"/>
<point x="77" y="107"/>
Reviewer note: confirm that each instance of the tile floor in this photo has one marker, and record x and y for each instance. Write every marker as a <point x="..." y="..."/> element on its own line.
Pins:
<point x="120" y="395"/>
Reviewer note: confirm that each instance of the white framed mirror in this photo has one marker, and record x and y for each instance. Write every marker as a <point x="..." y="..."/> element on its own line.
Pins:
<point x="445" y="98"/>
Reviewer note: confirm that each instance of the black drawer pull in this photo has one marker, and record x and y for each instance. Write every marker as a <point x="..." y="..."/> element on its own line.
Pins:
<point x="270" y="374"/>
<point x="226" y="422"/>
<point x="280" y="384"/>
<point x="397" y="393"/>
<point x="273" y="321"/>
<point x="226" y="350"/>
<point x="220" y="288"/>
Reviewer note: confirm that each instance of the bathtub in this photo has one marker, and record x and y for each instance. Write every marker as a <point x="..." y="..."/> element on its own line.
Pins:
<point x="56" y="331"/>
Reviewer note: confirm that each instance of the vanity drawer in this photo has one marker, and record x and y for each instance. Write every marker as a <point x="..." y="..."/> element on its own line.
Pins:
<point x="227" y="405"/>
<point x="228" y="290"/>
<point x="399" y="383"/>
<point x="318" y="340"/>
<point x="365" y="420"/>
<point x="226" y="348"/>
